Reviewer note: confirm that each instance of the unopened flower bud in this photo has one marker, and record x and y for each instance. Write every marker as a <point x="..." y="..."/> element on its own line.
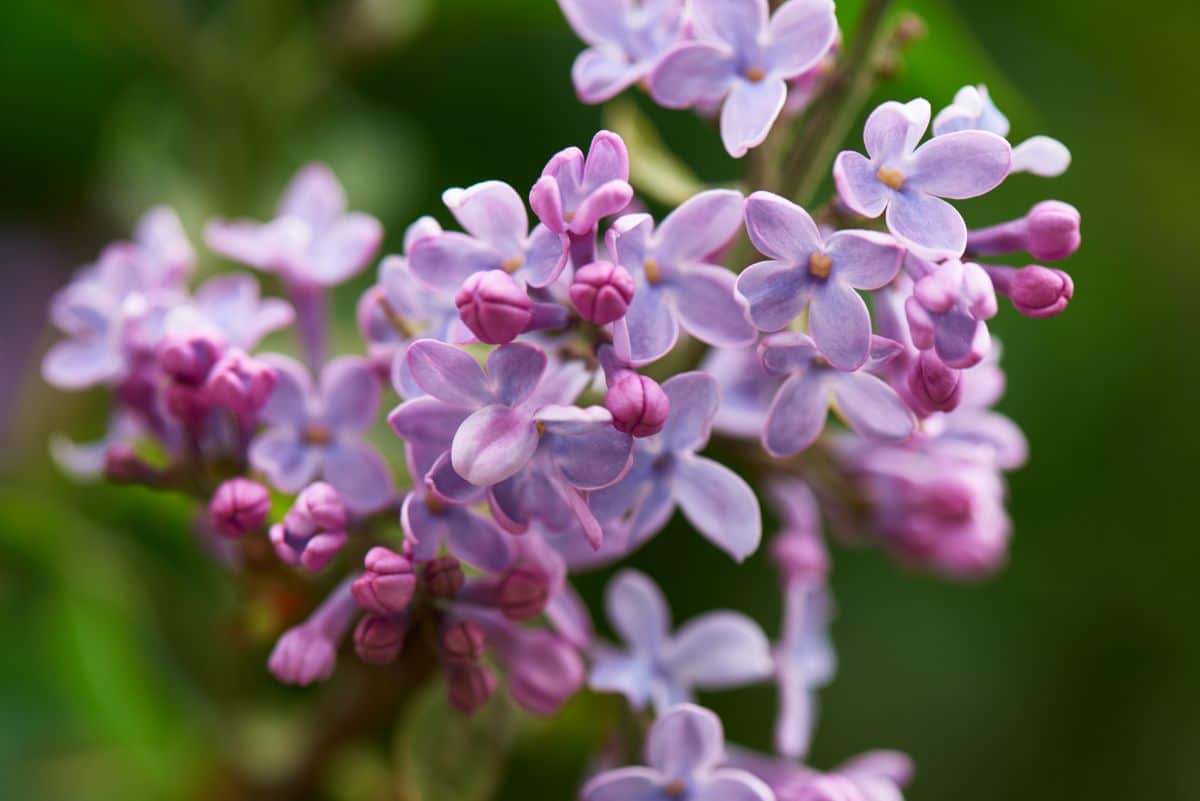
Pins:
<point x="469" y="686"/>
<point x="523" y="593"/>
<point x="638" y="405"/>
<point x="378" y="639"/>
<point x="122" y="465"/>
<point x="933" y="386"/>
<point x="1049" y="232"/>
<point x="544" y="671"/>
<point x="494" y="307"/>
<point x="602" y="292"/>
<point x="444" y="577"/>
<point x="189" y="358"/>
<point x="1035" y="291"/>
<point x="462" y="642"/>
<point x="239" y="506"/>
<point x="387" y="585"/>
<point x="322" y="504"/>
<point x="240" y="384"/>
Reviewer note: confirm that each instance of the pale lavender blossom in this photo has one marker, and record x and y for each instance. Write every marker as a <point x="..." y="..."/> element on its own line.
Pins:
<point x="909" y="182"/>
<point x="685" y="751"/>
<point x="872" y="776"/>
<point x="576" y="192"/>
<point x="308" y="652"/>
<point x="864" y="401"/>
<point x="430" y="522"/>
<point x="718" y="650"/>
<point x="948" y="310"/>
<point x="747" y="390"/>
<point x="743" y="59"/>
<point x="676" y="283"/>
<point x="667" y="472"/>
<point x="808" y="270"/>
<point x="974" y="110"/>
<point x="626" y="39"/>
<point x="804" y="662"/>
<point x="314" y="529"/>
<point x="318" y="431"/>
<point x="233" y="306"/>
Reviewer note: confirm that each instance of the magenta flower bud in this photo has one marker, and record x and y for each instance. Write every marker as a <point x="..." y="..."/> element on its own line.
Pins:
<point x="523" y="593"/>
<point x="638" y="405"/>
<point x="1049" y="232"/>
<point x="186" y="403"/>
<point x="494" y="307"/>
<point x="189" y="358"/>
<point x="322" y="504"/>
<point x="469" y="687"/>
<point x="462" y="642"/>
<point x="933" y="386"/>
<point x="800" y="557"/>
<point x="387" y="586"/>
<point x="1035" y="291"/>
<point x="313" y="553"/>
<point x="240" y="384"/>
<point x="444" y="577"/>
<point x="378" y="639"/>
<point x="308" y="652"/>
<point x="544" y="671"/>
<point x="602" y="292"/>
<point x="123" y="466"/>
<point x="239" y="506"/>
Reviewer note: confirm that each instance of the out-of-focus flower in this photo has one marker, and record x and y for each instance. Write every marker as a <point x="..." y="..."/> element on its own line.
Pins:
<point x="308" y="652"/>
<point x="973" y="110"/>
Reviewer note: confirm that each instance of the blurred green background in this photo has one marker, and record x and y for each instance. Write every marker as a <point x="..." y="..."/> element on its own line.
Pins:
<point x="1074" y="674"/>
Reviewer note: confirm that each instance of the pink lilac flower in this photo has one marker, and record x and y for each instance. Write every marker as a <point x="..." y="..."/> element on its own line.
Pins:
<point x="684" y="751"/>
<point x="948" y="310"/>
<point x="809" y="271"/>
<point x="798" y="413"/>
<point x="497" y="238"/>
<point x="318" y="431"/>
<point x="872" y="776"/>
<point x="1035" y="291"/>
<point x="973" y="110"/>
<point x="718" y="650"/>
<point x="387" y="584"/>
<point x="675" y="283"/>
<point x="744" y="59"/>
<point x="1049" y="232"/>
<point x="626" y="38"/>
<point x="239" y="506"/>
<point x="909" y="182"/>
<point x="233" y="306"/>
<point x="667" y="472"/>
<point x="308" y="652"/>
<point x="601" y="292"/>
<point x="313" y="530"/>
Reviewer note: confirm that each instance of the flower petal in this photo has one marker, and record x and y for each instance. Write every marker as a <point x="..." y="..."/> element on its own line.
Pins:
<point x="749" y="112"/>
<point x="514" y="371"/>
<point x="343" y="249"/>
<point x="288" y="403"/>
<point x="360" y="475"/>
<point x="857" y="185"/>
<point x="545" y="256"/>
<point x="648" y="330"/>
<point x="780" y="229"/>
<point x="427" y="426"/>
<point x="596" y="21"/>
<point x="493" y="444"/>
<point x="1041" y="155"/>
<point x="719" y="650"/>
<point x="478" y="541"/>
<point x="691" y="73"/>
<point x="693" y="397"/>
<point x="638" y="611"/>
<point x="775" y="293"/>
<point x="894" y="129"/>
<point x="728" y="784"/>
<point x="961" y="165"/>
<point x="314" y="196"/>
<point x="740" y="24"/>
<point x="491" y="211"/>
<point x="699" y="227"/>
<point x="800" y="33"/>
<point x="599" y="76"/>
<point x="350" y="394"/>
<point x="710" y="310"/>
<point x="79" y="363"/>
<point x="444" y="261"/>
<point x="865" y="259"/>
<point x="719" y="504"/>
<point x="927" y="224"/>
<point x="448" y="485"/>
<point x="588" y="451"/>
<point x="281" y="455"/>
<point x="841" y="325"/>
<point x="449" y="374"/>
<point x="872" y="408"/>
<point x="686" y="741"/>
<point x="797" y="414"/>
<point x="624" y="784"/>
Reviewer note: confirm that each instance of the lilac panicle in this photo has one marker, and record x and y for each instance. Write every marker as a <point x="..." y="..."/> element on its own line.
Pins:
<point x="909" y="182"/>
<point x="667" y="472"/>
<point x="308" y="652"/>
<point x="744" y="60"/>
<point x="714" y="651"/>
<point x="684" y="752"/>
<point x="973" y="109"/>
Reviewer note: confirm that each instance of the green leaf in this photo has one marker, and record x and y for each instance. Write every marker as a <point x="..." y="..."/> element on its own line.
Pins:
<point x="443" y="754"/>
<point x="654" y="170"/>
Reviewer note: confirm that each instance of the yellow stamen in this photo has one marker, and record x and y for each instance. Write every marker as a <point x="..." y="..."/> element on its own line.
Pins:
<point x="890" y="177"/>
<point x="541" y="428"/>
<point x="820" y="265"/>
<point x="653" y="273"/>
<point x="433" y="504"/>
<point x="317" y="434"/>
<point x="755" y="74"/>
<point x="675" y="789"/>
<point x="510" y="266"/>
<point x="569" y="216"/>
<point x="395" y="320"/>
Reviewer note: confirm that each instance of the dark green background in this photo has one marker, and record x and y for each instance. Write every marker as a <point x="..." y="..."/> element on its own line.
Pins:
<point x="1075" y="674"/>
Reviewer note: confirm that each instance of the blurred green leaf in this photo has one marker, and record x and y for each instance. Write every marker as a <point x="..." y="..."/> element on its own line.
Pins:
<point x="654" y="170"/>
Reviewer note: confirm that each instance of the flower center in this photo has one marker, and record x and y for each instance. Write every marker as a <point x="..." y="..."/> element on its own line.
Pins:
<point x="821" y="361"/>
<point x="675" y="789"/>
<point x="317" y="434"/>
<point x="890" y="177"/>
<point x="569" y="216"/>
<point x="653" y="272"/>
<point x="820" y="265"/>
<point x="433" y="504"/>
<point x="541" y="428"/>
<point x="755" y="74"/>
<point x="511" y="265"/>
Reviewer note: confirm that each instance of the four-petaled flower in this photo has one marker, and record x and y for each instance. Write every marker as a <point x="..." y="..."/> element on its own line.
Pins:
<point x="574" y="192"/>
<point x="806" y="269"/>
<point x="974" y="110"/>
<point x="909" y="182"/>
<point x="745" y="60"/>
<point x="717" y="650"/>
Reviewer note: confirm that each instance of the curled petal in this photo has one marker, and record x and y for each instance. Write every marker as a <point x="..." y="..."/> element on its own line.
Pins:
<point x="894" y="129"/>
<point x="493" y="444"/>
<point x="545" y="257"/>
<point x="491" y="211"/>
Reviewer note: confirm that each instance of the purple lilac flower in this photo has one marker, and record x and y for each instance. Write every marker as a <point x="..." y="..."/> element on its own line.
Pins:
<point x="798" y="413"/>
<point x="714" y="651"/>
<point x="626" y="38"/>
<point x="804" y="661"/>
<point x="429" y="522"/>
<point x="313" y="530"/>
<point x="808" y="270"/>
<point x="233" y="306"/>
<point x="873" y="776"/>
<point x="744" y="59"/>
<point x="497" y="238"/>
<point x="308" y="652"/>
<point x="674" y="282"/>
<point x="948" y="310"/>
<point x="747" y="390"/>
<point x="684" y="751"/>
<point x="973" y="110"/>
<point x="667" y="472"/>
<point x="909" y="182"/>
<point x="313" y="240"/>
<point x="317" y="431"/>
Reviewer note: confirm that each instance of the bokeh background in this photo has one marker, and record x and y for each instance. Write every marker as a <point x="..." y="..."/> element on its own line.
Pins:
<point x="1074" y="674"/>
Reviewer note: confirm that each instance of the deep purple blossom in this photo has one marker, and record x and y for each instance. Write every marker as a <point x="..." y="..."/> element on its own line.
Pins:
<point x="973" y="110"/>
<point x="948" y="310"/>
<point x="318" y="431"/>
<point x="675" y="282"/>
<point x="626" y="38"/>
<point x="744" y="59"/>
<point x="822" y="274"/>
<point x="684" y="751"/>
<point x="909" y="182"/>
<point x="798" y="413"/>
<point x="714" y="651"/>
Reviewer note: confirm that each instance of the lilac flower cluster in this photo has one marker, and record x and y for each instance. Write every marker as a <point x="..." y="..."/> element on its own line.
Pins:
<point x="555" y="408"/>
